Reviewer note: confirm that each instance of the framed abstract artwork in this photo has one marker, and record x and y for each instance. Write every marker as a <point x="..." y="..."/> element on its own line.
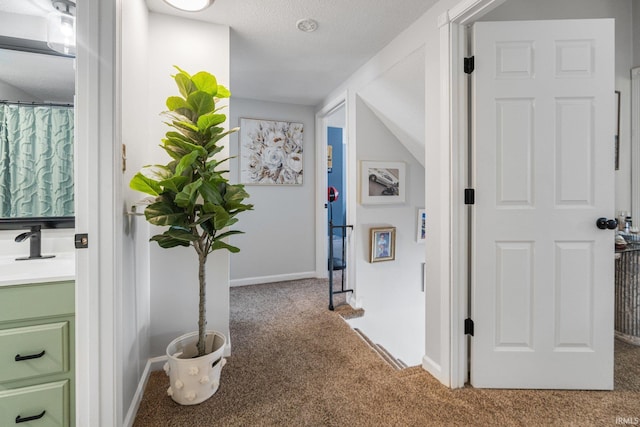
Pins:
<point x="271" y="152"/>
<point x="382" y="182"/>
<point x="382" y="244"/>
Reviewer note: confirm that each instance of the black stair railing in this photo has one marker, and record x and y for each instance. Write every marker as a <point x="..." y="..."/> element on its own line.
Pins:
<point x="336" y="264"/>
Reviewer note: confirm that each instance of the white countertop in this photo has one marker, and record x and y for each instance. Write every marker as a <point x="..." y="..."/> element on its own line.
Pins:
<point x="60" y="268"/>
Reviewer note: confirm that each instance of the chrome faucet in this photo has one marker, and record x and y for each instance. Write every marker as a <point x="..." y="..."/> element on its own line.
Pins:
<point x="35" y="236"/>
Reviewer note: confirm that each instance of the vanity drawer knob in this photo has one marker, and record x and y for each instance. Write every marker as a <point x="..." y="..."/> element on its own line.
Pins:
<point x="19" y="419"/>
<point x="31" y="356"/>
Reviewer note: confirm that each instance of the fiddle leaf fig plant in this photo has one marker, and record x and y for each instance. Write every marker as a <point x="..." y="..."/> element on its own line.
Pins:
<point x="192" y="195"/>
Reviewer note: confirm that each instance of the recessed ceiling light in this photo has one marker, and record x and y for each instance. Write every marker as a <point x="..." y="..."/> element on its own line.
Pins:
<point x="307" y="25"/>
<point x="190" y="5"/>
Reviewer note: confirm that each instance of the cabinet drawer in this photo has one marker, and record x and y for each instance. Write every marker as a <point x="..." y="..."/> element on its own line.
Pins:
<point x="38" y="300"/>
<point x="46" y="404"/>
<point x="33" y="351"/>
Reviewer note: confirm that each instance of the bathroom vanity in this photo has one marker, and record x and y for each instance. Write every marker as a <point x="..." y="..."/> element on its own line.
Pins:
<point x="37" y="336"/>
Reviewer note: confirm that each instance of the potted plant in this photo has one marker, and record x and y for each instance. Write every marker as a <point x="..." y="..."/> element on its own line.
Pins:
<point x="197" y="203"/>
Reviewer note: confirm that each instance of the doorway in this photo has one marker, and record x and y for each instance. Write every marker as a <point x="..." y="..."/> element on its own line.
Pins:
<point x="452" y="38"/>
<point x="336" y="189"/>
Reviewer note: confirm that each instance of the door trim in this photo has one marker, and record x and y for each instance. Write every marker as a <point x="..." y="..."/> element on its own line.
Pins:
<point x="98" y="212"/>
<point x="453" y="134"/>
<point x="321" y="181"/>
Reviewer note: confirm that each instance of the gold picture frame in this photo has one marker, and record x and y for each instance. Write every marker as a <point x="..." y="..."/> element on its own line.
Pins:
<point x="382" y="244"/>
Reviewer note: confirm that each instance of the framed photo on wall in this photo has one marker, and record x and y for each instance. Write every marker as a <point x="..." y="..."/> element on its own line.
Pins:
<point x="422" y="225"/>
<point x="382" y="182"/>
<point x="382" y="244"/>
<point x="271" y="152"/>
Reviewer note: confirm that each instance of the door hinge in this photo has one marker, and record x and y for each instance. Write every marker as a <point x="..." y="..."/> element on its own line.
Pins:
<point x="469" y="65"/>
<point x="469" y="196"/>
<point x="468" y="327"/>
<point x="81" y="241"/>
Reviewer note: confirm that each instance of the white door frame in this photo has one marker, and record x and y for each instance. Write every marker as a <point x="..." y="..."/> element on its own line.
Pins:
<point x="322" y="181"/>
<point x="453" y="180"/>
<point x="99" y="213"/>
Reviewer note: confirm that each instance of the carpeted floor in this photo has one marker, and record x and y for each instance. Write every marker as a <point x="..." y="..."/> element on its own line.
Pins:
<point x="294" y="363"/>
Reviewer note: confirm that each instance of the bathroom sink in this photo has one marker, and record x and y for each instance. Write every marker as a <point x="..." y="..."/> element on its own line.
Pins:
<point x="61" y="267"/>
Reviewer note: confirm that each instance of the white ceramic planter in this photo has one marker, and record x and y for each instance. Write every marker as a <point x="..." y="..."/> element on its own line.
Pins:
<point x="194" y="379"/>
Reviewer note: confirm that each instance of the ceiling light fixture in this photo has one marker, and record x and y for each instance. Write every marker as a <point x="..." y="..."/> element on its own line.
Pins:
<point x="307" y="25"/>
<point x="190" y="5"/>
<point x="61" y="27"/>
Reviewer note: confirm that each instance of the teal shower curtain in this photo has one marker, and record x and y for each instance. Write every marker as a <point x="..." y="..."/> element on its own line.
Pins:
<point x="36" y="160"/>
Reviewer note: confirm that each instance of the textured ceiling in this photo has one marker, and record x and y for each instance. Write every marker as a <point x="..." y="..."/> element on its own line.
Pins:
<point x="270" y="58"/>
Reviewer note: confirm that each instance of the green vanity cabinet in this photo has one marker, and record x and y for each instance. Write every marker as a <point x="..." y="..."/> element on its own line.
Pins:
<point x="37" y="354"/>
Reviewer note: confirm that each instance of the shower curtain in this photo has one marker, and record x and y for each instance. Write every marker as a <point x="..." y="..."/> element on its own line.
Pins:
<point x="36" y="160"/>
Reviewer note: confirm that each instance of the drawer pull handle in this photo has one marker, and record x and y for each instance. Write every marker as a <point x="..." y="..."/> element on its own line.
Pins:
<point x="31" y="356"/>
<point x="19" y="419"/>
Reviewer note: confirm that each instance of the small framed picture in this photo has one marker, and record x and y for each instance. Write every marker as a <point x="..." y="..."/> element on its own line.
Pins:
<point x="382" y="183"/>
<point x="382" y="244"/>
<point x="422" y="225"/>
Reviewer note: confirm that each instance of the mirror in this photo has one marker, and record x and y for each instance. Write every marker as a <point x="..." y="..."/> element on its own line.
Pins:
<point x="36" y="121"/>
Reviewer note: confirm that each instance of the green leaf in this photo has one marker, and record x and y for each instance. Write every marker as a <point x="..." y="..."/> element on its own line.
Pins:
<point x="227" y="234"/>
<point x="218" y="137"/>
<point x="139" y="182"/>
<point x="201" y="103"/>
<point x="186" y="162"/>
<point x="234" y="195"/>
<point x="223" y="92"/>
<point x="184" y="83"/>
<point x="175" y="183"/>
<point x="165" y="212"/>
<point x="184" y="125"/>
<point x="182" y="234"/>
<point x="218" y="244"/>
<point x="165" y="241"/>
<point x="210" y="192"/>
<point x="203" y="218"/>
<point x="206" y="82"/>
<point x="232" y="221"/>
<point x="175" y="152"/>
<point x="176" y="102"/>
<point x="215" y="149"/>
<point x="187" y="197"/>
<point x="208" y="227"/>
<point x="209" y="120"/>
<point x="185" y="146"/>
<point x="182" y="71"/>
<point x="221" y="217"/>
<point x="156" y="172"/>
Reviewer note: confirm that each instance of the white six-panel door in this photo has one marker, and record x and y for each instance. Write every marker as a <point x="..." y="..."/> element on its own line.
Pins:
<point x="542" y="272"/>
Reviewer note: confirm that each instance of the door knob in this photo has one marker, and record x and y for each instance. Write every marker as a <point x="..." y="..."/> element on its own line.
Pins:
<point x="604" y="223"/>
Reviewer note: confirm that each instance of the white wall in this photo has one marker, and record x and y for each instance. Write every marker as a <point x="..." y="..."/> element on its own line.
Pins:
<point x="193" y="46"/>
<point x="279" y="240"/>
<point x="12" y="93"/>
<point x="390" y="292"/>
<point x="621" y="11"/>
<point x="135" y="302"/>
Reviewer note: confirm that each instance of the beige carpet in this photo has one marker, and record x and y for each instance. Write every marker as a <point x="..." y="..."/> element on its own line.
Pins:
<point x="295" y="363"/>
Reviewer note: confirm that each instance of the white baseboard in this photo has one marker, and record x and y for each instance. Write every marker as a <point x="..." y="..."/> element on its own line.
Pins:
<point x="434" y="369"/>
<point x="271" y="279"/>
<point x="153" y="364"/>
